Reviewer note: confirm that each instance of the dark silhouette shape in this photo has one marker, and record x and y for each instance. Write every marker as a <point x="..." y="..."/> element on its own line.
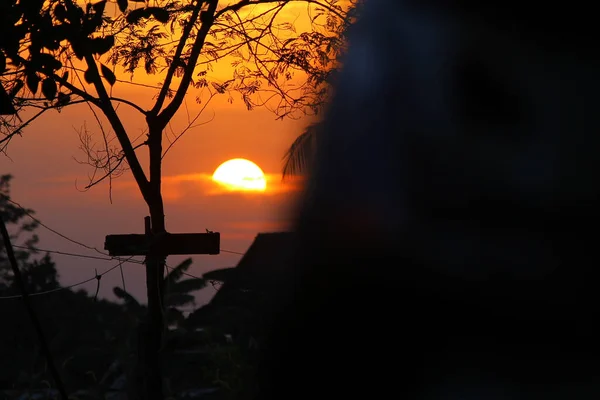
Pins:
<point x="39" y="39"/>
<point x="83" y="336"/>
<point x="30" y="310"/>
<point x="249" y="291"/>
<point x="6" y="106"/>
<point x="96" y="343"/>
<point x="448" y="232"/>
<point x="260" y="271"/>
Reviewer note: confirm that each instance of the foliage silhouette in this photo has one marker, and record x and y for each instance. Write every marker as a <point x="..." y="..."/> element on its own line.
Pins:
<point x="83" y="334"/>
<point x="20" y="231"/>
<point x="299" y="156"/>
<point x="177" y="294"/>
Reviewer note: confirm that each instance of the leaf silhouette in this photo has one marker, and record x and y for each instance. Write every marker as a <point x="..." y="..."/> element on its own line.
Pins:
<point x="49" y="88"/>
<point x="6" y="105"/>
<point x="108" y="74"/>
<point x="78" y="46"/>
<point x="219" y="88"/>
<point x="179" y="299"/>
<point x="48" y="62"/>
<point x="88" y="76"/>
<point x="33" y="81"/>
<point x="102" y="45"/>
<point x="177" y="272"/>
<point x="129" y="300"/>
<point x="122" y="5"/>
<point x="159" y="13"/>
<point x="74" y="14"/>
<point x="99" y="6"/>
<point x="60" y="12"/>
<point x="188" y="285"/>
<point x="63" y="99"/>
<point x="300" y="153"/>
<point x="135" y="15"/>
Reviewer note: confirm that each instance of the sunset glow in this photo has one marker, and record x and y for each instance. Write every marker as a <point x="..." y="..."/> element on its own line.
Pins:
<point x="240" y="174"/>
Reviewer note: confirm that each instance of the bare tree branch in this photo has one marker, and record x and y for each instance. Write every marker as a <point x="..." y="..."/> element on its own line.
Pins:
<point x="190" y="125"/>
<point x="129" y="103"/>
<point x="177" y="57"/>
<point x="117" y="125"/>
<point x="17" y="130"/>
<point x="175" y="103"/>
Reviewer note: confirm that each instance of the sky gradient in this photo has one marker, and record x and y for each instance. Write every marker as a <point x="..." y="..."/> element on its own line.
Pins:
<point x="48" y="179"/>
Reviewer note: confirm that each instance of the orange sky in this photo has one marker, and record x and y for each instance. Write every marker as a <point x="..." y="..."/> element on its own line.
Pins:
<point x="46" y="178"/>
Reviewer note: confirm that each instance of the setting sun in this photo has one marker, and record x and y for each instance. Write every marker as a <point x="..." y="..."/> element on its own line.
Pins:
<point x="240" y="174"/>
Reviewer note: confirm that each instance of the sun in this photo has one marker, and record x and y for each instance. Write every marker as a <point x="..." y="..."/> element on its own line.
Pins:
<point x="240" y="175"/>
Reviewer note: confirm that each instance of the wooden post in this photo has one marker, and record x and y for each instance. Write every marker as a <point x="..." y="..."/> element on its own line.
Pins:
<point x="154" y="325"/>
<point x="156" y="248"/>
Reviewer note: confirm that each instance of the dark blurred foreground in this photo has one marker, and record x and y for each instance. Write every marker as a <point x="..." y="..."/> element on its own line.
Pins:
<point x="448" y="236"/>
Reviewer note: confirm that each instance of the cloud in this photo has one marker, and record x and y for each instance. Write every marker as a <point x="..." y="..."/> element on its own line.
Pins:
<point x="257" y="226"/>
<point x="201" y="184"/>
<point x="197" y="188"/>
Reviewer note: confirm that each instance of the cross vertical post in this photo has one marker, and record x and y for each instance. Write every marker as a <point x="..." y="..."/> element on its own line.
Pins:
<point x="155" y="321"/>
<point x="156" y="248"/>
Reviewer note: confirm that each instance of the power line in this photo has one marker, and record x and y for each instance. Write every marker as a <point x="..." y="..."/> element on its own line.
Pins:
<point x="64" y="253"/>
<point x="106" y="258"/>
<point x="212" y="282"/>
<point x="53" y="230"/>
<point x="97" y="277"/>
<point x="232" y="252"/>
<point x="75" y="241"/>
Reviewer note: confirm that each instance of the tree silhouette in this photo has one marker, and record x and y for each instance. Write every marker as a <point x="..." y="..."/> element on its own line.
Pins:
<point x="83" y="334"/>
<point x="60" y="53"/>
<point x="21" y="232"/>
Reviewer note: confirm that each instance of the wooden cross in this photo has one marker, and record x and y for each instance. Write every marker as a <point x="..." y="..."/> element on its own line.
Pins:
<point x="169" y="244"/>
<point x="155" y="247"/>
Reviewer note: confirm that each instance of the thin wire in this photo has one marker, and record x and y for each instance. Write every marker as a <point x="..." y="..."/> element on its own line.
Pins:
<point x="64" y="253"/>
<point x="53" y="230"/>
<point x="232" y="252"/>
<point x="212" y="282"/>
<point x="191" y="276"/>
<point x="168" y="267"/>
<point x="75" y="241"/>
<point x="121" y="261"/>
<point x="18" y="296"/>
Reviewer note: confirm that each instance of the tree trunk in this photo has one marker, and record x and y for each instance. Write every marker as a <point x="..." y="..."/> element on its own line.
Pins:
<point x="153" y="340"/>
<point x="155" y="266"/>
